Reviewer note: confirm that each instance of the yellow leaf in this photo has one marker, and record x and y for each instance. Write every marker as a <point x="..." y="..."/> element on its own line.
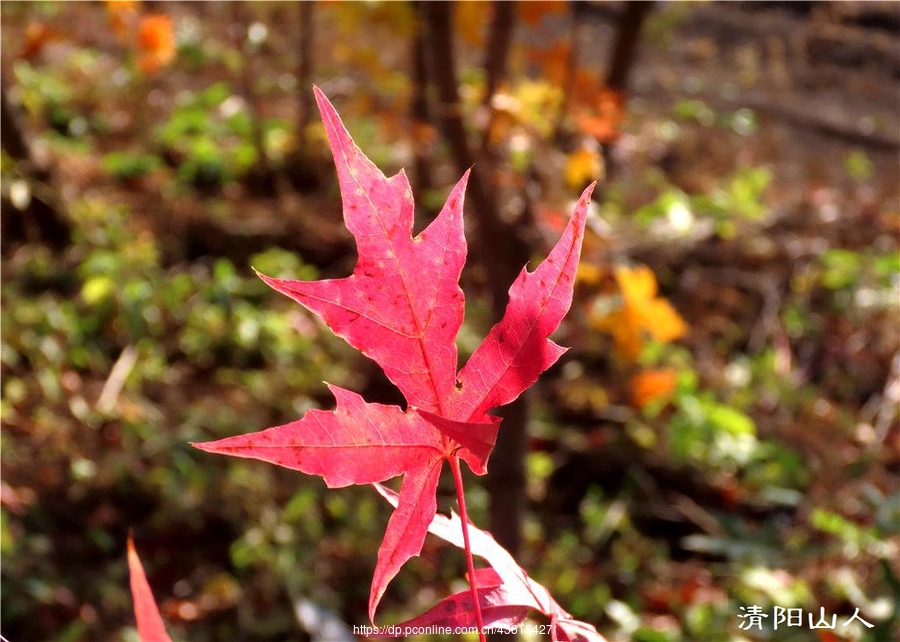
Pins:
<point x="589" y="274"/>
<point x="636" y="284"/>
<point x="583" y="166"/>
<point x="97" y="289"/>
<point x="642" y="313"/>
<point x="662" y="321"/>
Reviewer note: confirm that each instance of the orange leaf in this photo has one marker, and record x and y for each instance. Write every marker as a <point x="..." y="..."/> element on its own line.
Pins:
<point x="554" y="61"/>
<point x="37" y="35"/>
<point x="121" y="6"/>
<point x="531" y="13"/>
<point x="650" y="385"/>
<point x="156" y="43"/>
<point x="603" y="113"/>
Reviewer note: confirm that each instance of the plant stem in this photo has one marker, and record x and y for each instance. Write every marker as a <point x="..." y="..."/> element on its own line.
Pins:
<point x="470" y="562"/>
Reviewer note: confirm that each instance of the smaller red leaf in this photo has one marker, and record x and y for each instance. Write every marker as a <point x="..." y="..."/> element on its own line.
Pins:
<point x="517" y="591"/>
<point x="149" y="622"/>
<point x="456" y="610"/>
<point x="477" y="439"/>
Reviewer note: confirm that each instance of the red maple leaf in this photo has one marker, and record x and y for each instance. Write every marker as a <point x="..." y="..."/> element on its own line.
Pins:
<point x="506" y="593"/>
<point x="403" y="307"/>
<point x="149" y="622"/>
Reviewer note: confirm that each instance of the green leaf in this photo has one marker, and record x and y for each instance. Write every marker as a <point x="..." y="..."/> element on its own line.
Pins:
<point x="97" y="289"/>
<point x="731" y="420"/>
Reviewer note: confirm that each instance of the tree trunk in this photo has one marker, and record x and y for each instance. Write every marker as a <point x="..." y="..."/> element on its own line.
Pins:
<point x="569" y="81"/>
<point x="420" y="115"/>
<point x="495" y="59"/>
<point x="502" y="252"/>
<point x="304" y="71"/>
<point x="497" y="52"/>
<point x="622" y="60"/>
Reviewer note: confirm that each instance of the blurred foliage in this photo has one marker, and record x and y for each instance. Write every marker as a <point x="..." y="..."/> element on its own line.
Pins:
<point x="208" y="135"/>
<point x="723" y="433"/>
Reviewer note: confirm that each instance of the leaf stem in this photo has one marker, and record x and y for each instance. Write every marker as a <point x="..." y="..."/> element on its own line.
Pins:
<point x="470" y="562"/>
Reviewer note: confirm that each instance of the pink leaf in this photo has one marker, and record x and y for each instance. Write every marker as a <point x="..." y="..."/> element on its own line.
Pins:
<point x="509" y="587"/>
<point x="403" y="307"/>
<point x="477" y="439"/>
<point x="406" y="529"/>
<point x="456" y="610"/>
<point x="149" y="622"/>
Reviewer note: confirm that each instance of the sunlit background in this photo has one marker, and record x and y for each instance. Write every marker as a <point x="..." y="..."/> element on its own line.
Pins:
<point x="723" y="433"/>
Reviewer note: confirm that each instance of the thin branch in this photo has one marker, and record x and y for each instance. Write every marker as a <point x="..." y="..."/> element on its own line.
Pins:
<point x="470" y="562"/>
<point x="305" y="39"/>
<point x="502" y="252"/>
<point x="116" y="380"/>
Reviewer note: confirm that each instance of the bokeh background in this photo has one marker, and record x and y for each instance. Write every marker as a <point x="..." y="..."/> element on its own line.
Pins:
<point x="723" y="432"/>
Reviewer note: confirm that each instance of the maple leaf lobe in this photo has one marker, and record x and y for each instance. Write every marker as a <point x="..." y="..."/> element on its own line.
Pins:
<point x="402" y="306"/>
<point x="357" y="443"/>
<point x="518" y="349"/>
<point x="150" y="625"/>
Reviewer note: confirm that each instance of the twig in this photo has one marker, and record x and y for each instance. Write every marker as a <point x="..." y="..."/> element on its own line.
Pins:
<point x="698" y="515"/>
<point x="116" y="380"/>
<point x="882" y="408"/>
<point x="502" y="252"/>
<point x="470" y="562"/>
